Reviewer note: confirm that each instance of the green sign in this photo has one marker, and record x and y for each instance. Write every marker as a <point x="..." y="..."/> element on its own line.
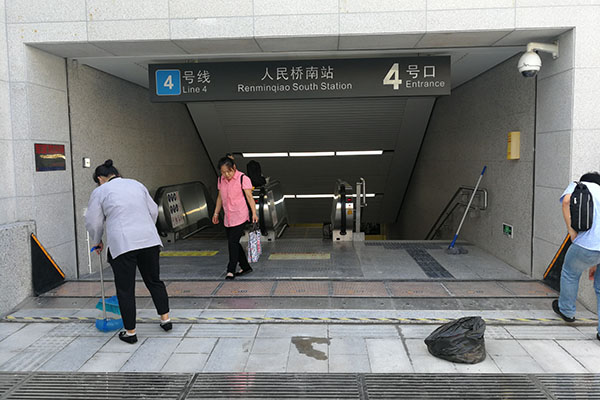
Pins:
<point x="507" y="230"/>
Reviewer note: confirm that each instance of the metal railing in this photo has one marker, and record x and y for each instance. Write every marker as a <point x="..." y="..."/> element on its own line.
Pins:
<point x="480" y="203"/>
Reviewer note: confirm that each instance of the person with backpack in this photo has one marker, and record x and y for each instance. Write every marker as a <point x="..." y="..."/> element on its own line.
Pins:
<point x="235" y="197"/>
<point x="580" y="206"/>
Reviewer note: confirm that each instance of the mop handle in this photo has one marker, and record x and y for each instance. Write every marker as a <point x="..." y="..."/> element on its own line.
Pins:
<point x="101" y="282"/>
<point x="468" y="206"/>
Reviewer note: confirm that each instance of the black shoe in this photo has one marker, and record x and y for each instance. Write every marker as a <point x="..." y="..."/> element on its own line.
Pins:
<point x="229" y="277"/>
<point x="244" y="271"/>
<point x="557" y="310"/>
<point x="167" y="326"/>
<point x="131" y="339"/>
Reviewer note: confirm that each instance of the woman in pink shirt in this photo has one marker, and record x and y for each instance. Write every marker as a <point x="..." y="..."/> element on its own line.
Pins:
<point x="235" y="196"/>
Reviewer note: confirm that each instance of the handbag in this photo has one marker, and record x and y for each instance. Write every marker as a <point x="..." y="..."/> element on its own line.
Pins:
<point x="254" y="247"/>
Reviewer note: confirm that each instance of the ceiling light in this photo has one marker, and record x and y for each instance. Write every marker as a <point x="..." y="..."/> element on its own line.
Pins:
<point x="368" y="195"/>
<point x="263" y="155"/>
<point x="359" y="153"/>
<point x="313" y="154"/>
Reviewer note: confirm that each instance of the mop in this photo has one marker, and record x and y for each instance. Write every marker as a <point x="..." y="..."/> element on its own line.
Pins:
<point x="105" y="324"/>
<point x="457" y="250"/>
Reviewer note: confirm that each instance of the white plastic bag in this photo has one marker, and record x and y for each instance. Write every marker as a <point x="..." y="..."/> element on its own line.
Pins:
<point x="254" y="247"/>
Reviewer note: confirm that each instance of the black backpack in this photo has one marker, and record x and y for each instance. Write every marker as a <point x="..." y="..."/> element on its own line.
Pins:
<point x="582" y="208"/>
<point x="255" y="174"/>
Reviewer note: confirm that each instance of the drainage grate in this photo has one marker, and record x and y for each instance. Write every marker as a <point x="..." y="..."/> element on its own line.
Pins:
<point x="8" y="381"/>
<point x="275" y="386"/>
<point x="440" y="386"/>
<point x="572" y="386"/>
<point x="95" y="386"/>
<point x="101" y="386"/>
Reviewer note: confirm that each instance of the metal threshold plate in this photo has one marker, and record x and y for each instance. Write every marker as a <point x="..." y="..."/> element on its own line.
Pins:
<point x="299" y="256"/>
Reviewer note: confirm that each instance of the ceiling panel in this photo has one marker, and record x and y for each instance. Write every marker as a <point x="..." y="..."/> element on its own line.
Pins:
<point x="311" y="125"/>
<point x="461" y="39"/>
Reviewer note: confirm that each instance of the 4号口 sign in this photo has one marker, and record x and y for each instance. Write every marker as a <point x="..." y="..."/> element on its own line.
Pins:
<point x="300" y="79"/>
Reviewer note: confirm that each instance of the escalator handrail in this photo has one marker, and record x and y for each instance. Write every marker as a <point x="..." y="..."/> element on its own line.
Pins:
<point x="261" y="212"/>
<point x="343" y="209"/>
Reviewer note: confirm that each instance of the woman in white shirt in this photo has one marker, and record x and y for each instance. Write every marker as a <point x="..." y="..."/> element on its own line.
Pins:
<point x="129" y="213"/>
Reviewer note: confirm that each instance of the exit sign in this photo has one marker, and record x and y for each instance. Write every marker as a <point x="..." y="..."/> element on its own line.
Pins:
<point x="507" y="230"/>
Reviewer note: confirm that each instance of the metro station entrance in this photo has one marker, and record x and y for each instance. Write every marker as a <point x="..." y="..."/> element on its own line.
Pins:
<point x="315" y="301"/>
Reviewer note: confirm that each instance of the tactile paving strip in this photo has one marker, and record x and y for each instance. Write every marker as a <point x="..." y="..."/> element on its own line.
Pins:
<point x="359" y="289"/>
<point x="302" y="288"/>
<point x="388" y="245"/>
<point x="428" y="264"/>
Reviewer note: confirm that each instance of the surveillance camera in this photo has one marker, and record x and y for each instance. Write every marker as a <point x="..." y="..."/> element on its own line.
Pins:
<point x="529" y="64"/>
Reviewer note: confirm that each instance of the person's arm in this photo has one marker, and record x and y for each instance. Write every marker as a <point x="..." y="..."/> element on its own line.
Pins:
<point x="252" y="203"/>
<point x="567" y="216"/>
<point x="215" y="218"/>
<point x="94" y="221"/>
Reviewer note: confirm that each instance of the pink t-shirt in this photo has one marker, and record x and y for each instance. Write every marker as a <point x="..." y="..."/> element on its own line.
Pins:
<point x="233" y="198"/>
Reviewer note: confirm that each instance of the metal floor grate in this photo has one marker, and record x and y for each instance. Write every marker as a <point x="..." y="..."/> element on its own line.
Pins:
<point x="572" y="386"/>
<point x="8" y="381"/>
<point x="90" y="386"/>
<point x="275" y="386"/>
<point x="235" y="385"/>
<point x="441" y="386"/>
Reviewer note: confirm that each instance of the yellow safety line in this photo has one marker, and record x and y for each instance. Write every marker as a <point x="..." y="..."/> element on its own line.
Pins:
<point x="328" y="319"/>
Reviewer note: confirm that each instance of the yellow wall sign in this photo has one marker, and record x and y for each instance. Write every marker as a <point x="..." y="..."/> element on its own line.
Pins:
<point x="514" y="146"/>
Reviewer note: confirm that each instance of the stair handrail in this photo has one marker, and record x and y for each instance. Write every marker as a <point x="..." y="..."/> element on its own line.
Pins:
<point x="454" y="203"/>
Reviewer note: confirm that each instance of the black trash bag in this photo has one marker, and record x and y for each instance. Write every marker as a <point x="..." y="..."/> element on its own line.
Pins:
<point x="459" y="341"/>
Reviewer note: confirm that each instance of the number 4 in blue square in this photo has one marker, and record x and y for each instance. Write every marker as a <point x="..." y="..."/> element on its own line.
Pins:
<point x="168" y="82"/>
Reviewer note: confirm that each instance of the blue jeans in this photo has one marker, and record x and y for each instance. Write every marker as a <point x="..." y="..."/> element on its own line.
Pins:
<point x="576" y="262"/>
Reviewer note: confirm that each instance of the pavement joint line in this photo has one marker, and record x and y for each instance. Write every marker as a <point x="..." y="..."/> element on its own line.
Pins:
<point x="300" y="319"/>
